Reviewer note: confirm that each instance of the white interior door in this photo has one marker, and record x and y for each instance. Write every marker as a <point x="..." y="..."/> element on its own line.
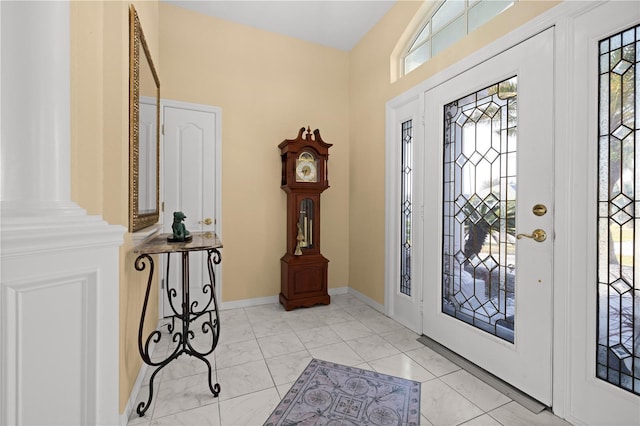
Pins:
<point x="488" y="295"/>
<point x="189" y="182"/>
<point x="604" y="327"/>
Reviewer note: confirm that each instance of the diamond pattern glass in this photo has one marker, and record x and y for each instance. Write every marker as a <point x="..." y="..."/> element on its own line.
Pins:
<point x="618" y="301"/>
<point x="478" y="283"/>
<point x="405" y="207"/>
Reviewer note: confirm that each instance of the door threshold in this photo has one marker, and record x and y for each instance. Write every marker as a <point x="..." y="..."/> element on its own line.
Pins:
<point x="496" y="383"/>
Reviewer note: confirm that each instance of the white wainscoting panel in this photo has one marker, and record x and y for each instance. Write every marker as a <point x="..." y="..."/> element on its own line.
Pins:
<point x="59" y="326"/>
<point x="51" y="334"/>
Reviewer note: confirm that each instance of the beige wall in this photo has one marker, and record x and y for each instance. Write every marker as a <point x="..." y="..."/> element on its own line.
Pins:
<point x="100" y="146"/>
<point x="268" y="87"/>
<point x="370" y="88"/>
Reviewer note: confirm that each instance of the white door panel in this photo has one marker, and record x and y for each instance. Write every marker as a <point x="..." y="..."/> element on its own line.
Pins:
<point x="592" y="400"/>
<point x="189" y="186"/>
<point x="517" y="274"/>
<point x="404" y="207"/>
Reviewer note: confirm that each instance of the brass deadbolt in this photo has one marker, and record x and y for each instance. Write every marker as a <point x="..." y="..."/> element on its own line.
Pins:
<point x="539" y="209"/>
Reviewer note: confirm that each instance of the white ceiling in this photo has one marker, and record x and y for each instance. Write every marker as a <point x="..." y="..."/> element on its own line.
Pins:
<point x="333" y="23"/>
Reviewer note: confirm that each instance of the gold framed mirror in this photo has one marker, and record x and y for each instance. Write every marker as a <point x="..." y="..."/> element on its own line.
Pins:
<point x="144" y="130"/>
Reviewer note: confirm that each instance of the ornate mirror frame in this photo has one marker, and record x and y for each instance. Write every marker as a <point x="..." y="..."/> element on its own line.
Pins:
<point x="144" y="160"/>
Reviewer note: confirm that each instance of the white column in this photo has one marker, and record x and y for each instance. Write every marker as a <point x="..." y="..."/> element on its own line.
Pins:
<point x="59" y="267"/>
<point x="35" y="107"/>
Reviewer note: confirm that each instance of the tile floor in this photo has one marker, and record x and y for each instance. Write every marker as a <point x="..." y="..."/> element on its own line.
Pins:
<point x="263" y="349"/>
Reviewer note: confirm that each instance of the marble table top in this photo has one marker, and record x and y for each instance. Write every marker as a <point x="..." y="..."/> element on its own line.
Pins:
<point x="160" y="244"/>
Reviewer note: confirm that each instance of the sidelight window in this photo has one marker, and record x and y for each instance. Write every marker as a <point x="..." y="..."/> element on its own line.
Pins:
<point x="618" y="301"/>
<point x="406" y="207"/>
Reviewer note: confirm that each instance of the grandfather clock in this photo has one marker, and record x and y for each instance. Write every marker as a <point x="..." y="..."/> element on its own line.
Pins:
<point x="304" y="177"/>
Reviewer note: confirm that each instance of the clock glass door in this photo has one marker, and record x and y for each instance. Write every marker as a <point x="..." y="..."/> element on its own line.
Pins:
<point x="306" y="168"/>
<point x="305" y="224"/>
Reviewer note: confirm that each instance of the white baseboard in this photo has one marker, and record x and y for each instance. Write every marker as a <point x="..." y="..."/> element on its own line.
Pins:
<point x="369" y="301"/>
<point x="245" y="303"/>
<point x="338" y="290"/>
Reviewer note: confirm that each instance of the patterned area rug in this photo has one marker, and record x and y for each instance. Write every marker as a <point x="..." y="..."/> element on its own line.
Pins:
<point x="329" y="394"/>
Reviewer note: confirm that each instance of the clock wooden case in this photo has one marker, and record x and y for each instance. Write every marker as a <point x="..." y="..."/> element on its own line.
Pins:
<point x="304" y="177"/>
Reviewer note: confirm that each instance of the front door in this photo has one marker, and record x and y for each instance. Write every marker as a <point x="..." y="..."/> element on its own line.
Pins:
<point x="189" y="186"/>
<point x="488" y="164"/>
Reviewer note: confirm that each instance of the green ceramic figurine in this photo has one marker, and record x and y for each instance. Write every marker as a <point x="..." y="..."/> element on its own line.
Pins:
<point x="180" y="233"/>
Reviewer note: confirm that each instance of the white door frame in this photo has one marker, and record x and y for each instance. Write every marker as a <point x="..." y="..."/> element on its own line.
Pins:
<point x="405" y="309"/>
<point x="217" y="227"/>
<point x="565" y="171"/>
<point x="577" y="93"/>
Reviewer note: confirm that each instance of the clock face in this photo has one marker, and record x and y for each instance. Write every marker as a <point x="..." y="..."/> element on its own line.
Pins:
<point x="306" y="169"/>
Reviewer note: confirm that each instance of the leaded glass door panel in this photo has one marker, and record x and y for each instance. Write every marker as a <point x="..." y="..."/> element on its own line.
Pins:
<point x="618" y="353"/>
<point x="603" y="244"/>
<point x="404" y="242"/>
<point x="489" y="296"/>
<point x="479" y="208"/>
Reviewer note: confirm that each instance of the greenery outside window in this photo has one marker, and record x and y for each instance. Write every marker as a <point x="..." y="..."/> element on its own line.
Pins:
<point x="450" y="21"/>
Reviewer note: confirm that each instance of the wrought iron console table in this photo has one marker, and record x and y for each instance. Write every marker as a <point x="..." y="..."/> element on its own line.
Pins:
<point x="188" y="311"/>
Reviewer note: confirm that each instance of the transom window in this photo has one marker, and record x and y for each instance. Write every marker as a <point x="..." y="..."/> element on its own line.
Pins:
<point x="450" y="21"/>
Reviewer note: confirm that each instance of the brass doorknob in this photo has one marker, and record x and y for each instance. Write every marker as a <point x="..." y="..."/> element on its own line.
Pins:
<point x="207" y="221"/>
<point x="537" y="235"/>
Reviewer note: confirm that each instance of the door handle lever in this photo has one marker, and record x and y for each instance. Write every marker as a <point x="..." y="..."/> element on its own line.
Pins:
<point x="537" y="235"/>
<point x="206" y="221"/>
